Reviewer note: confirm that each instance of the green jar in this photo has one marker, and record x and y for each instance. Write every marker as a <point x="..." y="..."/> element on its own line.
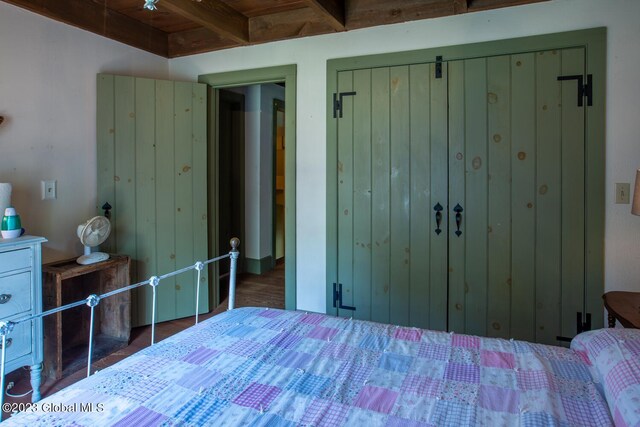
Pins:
<point x="10" y="220"/>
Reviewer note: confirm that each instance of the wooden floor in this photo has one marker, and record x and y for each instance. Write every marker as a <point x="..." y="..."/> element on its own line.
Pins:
<point x="266" y="290"/>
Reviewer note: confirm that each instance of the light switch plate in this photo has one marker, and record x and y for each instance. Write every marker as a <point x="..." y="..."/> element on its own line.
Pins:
<point x="623" y="194"/>
<point x="49" y="190"/>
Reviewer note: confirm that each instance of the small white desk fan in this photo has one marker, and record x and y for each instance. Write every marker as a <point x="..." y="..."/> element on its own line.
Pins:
<point x="91" y="234"/>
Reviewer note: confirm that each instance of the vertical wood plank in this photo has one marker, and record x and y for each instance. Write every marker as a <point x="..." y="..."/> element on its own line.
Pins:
<point x="380" y="215"/>
<point x="105" y="139"/>
<point x="499" y="200"/>
<point x="456" y="158"/>
<point x="573" y="193"/>
<point x="145" y="184"/>
<point x="595" y="153"/>
<point x="420" y="166"/>
<point x="523" y="171"/>
<point x="476" y="188"/>
<point x="200" y="219"/>
<point x="439" y="194"/>
<point x="362" y="193"/>
<point x="548" y="197"/>
<point x="166" y="207"/>
<point x="345" y="193"/>
<point x="400" y="195"/>
<point x="183" y="169"/>
<point x="213" y="120"/>
<point x="125" y="161"/>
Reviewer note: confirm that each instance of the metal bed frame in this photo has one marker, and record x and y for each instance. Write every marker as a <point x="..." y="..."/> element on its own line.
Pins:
<point x="6" y="327"/>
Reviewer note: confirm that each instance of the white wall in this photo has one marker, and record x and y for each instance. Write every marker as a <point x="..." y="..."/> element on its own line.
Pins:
<point x="48" y="97"/>
<point x="47" y="92"/>
<point x="622" y="240"/>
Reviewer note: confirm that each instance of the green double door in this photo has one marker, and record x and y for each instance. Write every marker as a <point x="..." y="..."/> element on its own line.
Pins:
<point x="461" y="195"/>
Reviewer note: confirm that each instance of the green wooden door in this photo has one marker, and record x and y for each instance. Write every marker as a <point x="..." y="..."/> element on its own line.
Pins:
<point x="391" y="172"/>
<point x="499" y="143"/>
<point x="152" y="169"/>
<point x="516" y="163"/>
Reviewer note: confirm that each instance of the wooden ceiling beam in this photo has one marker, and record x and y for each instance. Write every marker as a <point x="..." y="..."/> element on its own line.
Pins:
<point x="331" y="10"/>
<point x="264" y="28"/>
<point x="213" y="15"/>
<point x="478" y="5"/>
<point x="200" y="40"/>
<point x="368" y="13"/>
<point x="461" y="6"/>
<point x="100" y="20"/>
<point x="288" y="25"/>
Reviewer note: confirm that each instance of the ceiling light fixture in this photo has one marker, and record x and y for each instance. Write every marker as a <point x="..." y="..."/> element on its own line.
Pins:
<point x="150" y="4"/>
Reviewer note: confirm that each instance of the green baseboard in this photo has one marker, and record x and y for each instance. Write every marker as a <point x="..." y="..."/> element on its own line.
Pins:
<point x="258" y="266"/>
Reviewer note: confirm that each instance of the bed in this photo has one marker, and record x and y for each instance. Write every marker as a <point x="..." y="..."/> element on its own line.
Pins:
<point x="259" y="367"/>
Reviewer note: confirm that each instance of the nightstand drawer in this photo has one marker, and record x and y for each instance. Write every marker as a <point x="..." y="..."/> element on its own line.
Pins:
<point x="18" y="341"/>
<point x="15" y="294"/>
<point x="15" y="260"/>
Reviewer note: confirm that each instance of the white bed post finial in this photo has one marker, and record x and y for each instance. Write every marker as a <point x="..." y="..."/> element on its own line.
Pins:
<point x="233" y="255"/>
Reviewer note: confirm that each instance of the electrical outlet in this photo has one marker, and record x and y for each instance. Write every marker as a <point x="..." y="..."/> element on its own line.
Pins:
<point x="48" y="190"/>
<point x="623" y="192"/>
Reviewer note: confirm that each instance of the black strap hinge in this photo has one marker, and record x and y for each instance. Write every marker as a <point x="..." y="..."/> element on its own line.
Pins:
<point x="439" y="67"/>
<point x="337" y="298"/>
<point x="338" y="102"/>
<point x="580" y="326"/>
<point x="583" y="326"/>
<point x="584" y="90"/>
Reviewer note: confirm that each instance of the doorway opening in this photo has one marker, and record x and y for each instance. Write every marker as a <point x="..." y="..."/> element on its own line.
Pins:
<point x="278" y="182"/>
<point x="251" y="187"/>
<point x="285" y="77"/>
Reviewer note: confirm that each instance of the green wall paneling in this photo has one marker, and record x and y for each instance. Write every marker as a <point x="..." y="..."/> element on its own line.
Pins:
<point x="380" y="189"/>
<point x="548" y="196"/>
<point x="399" y="197"/>
<point x="476" y="186"/>
<point x="499" y="196"/>
<point x="165" y="206"/>
<point x="145" y="195"/>
<point x="105" y="142"/>
<point x="420" y="81"/>
<point x="572" y="188"/>
<point x="456" y="247"/>
<point x="151" y="172"/>
<point x="523" y="195"/>
<point x="362" y="193"/>
<point x="437" y="173"/>
<point x="383" y="236"/>
<point x="345" y="193"/>
<point x="182" y="167"/>
<point x="522" y="160"/>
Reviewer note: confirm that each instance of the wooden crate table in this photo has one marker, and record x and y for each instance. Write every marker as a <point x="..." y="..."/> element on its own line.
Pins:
<point x="66" y="334"/>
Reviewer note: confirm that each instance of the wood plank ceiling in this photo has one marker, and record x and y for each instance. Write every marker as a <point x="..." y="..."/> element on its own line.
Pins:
<point x="186" y="27"/>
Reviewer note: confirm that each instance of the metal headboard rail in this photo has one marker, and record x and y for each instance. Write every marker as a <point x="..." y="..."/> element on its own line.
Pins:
<point x="6" y="327"/>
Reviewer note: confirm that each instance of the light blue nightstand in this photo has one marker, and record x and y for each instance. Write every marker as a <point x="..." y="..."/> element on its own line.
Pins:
<point x="20" y="297"/>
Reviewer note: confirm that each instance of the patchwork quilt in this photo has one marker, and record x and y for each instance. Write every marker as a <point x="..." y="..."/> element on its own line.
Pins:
<point x="258" y="367"/>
